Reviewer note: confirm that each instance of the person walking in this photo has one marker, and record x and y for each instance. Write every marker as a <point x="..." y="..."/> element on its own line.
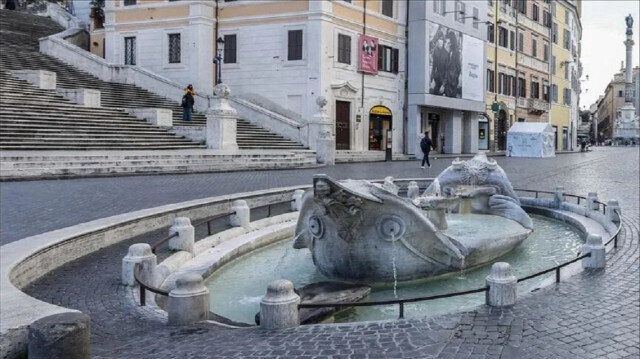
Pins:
<point x="187" y="103"/>
<point x="426" y="145"/>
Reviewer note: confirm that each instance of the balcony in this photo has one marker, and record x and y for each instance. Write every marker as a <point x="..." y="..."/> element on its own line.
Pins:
<point x="533" y="105"/>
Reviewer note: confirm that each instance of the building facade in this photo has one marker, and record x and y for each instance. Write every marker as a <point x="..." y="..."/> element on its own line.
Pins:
<point x="389" y="69"/>
<point x="609" y="104"/>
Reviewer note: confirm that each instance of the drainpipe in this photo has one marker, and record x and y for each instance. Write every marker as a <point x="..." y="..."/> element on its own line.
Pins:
<point x="364" y="32"/>
<point x="405" y="108"/>
<point x="215" y="42"/>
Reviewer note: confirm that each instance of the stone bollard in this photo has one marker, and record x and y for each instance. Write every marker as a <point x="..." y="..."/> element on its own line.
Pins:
<point x="502" y="286"/>
<point x="594" y="246"/>
<point x="592" y="197"/>
<point x="613" y="211"/>
<point x="188" y="302"/>
<point x="413" y="191"/>
<point x="558" y="196"/>
<point x="279" y="307"/>
<point x="186" y="235"/>
<point x="296" y="202"/>
<point x="139" y="253"/>
<point x="63" y="335"/>
<point x="242" y="215"/>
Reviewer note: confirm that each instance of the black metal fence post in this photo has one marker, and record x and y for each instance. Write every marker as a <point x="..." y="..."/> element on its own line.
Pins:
<point x="143" y="294"/>
<point x="401" y="310"/>
<point x="558" y="275"/>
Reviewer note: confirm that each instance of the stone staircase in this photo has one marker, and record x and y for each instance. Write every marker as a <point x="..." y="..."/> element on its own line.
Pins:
<point x="36" y="119"/>
<point x="19" y="50"/>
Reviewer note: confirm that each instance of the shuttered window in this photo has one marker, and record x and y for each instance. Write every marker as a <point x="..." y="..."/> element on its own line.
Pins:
<point x="130" y="50"/>
<point x="344" y="49"/>
<point x="230" y="55"/>
<point x="174" y="48"/>
<point x="294" y="45"/>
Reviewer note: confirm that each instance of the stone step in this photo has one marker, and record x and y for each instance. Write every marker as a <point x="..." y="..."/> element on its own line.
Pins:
<point x="97" y="135"/>
<point x="27" y="124"/>
<point x="79" y="132"/>
<point x="47" y="121"/>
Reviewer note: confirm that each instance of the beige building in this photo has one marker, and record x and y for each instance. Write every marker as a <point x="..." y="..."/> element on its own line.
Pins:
<point x="610" y="102"/>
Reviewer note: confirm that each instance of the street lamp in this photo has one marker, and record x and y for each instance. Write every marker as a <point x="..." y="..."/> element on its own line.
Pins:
<point x="218" y="59"/>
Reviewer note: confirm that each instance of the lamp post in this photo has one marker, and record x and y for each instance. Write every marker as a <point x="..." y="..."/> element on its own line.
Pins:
<point x="218" y="59"/>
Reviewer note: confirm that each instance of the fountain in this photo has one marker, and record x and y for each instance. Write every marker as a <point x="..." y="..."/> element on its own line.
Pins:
<point x="362" y="232"/>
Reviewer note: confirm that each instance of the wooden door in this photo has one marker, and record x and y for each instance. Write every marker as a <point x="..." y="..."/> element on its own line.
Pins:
<point x="343" y="125"/>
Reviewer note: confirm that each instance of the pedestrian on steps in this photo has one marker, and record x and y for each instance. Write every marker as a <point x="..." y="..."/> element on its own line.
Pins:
<point x="426" y="145"/>
<point x="187" y="103"/>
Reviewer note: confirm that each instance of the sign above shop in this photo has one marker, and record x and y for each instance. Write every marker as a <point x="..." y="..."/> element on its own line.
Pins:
<point x="380" y="110"/>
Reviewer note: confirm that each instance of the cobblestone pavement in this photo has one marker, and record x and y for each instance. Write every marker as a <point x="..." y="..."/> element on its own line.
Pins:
<point x="29" y="208"/>
<point x="591" y="315"/>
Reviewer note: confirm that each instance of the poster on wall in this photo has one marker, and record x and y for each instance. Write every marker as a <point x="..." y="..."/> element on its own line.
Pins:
<point x="368" y="54"/>
<point x="472" y="69"/>
<point x="455" y="64"/>
<point x="445" y="61"/>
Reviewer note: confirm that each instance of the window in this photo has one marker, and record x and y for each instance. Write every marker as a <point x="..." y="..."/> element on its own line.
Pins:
<point x="545" y="52"/>
<point x="545" y="92"/>
<point x="512" y="38"/>
<point x="491" y="81"/>
<point x="522" y="6"/>
<point x="620" y="94"/>
<point x="567" y="39"/>
<point x="475" y="18"/>
<point x="230" y="55"/>
<point x="129" y="2"/>
<point x="130" y="50"/>
<point x="546" y="18"/>
<point x="514" y="85"/>
<point x="566" y="16"/>
<point x="460" y="11"/>
<point x="553" y="8"/>
<point x="534" y="48"/>
<point x="387" y="59"/>
<point x="440" y="7"/>
<point x="387" y="8"/>
<point x="491" y="36"/>
<point x="567" y="96"/>
<point x="535" y="89"/>
<point x="174" y="48"/>
<point x="534" y="13"/>
<point x="566" y="71"/>
<point x="503" y="37"/>
<point x="520" y="42"/>
<point x="520" y="119"/>
<point x="554" y="93"/>
<point x="554" y="33"/>
<point x="294" y="45"/>
<point x="344" y="49"/>
<point x="553" y="65"/>
<point x="522" y="87"/>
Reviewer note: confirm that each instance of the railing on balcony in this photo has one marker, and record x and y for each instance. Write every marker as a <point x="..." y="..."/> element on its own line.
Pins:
<point x="537" y="106"/>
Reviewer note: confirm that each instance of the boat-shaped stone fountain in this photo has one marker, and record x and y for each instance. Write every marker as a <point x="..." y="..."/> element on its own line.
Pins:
<point x="364" y="232"/>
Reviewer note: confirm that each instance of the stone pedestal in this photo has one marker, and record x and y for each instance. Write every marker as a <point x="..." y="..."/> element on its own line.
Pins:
<point x="413" y="191"/>
<point x="595" y="246"/>
<point x="502" y="286"/>
<point x="64" y="335"/>
<point x="82" y="97"/>
<point x="592" y="197"/>
<point x="188" y="302"/>
<point x="279" y="307"/>
<point x="242" y="215"/>
<point x="45" y="80"/>
<point x="186" y="235"/>
<point x="613" y="211"/>
<point x="320" y="135"/>
<point x="558" y="196"/>
<point x="139" y="253"/>
<point x="160" y="117"/>
<point x="222" y="119"/>
<point x="296" y="203"/>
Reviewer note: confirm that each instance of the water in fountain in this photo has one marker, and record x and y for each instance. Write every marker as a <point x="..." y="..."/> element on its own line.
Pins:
<point x="239" y="285"/>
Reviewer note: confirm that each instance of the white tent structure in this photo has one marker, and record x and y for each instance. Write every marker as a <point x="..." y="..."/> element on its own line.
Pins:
<point x="531" y="139"/>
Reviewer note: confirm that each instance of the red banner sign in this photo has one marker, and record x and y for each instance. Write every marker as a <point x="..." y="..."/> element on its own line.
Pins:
<point x="368" y="54"/>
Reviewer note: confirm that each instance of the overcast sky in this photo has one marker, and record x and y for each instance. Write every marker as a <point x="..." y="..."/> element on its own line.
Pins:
<point x="603" y="34"/>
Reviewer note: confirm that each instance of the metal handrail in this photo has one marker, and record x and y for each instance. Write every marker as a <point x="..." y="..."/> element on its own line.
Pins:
<point x="157" y="244"/>
<point x="144" y="287"/>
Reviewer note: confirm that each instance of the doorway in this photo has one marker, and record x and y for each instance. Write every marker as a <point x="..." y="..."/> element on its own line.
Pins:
<point x="380" y="124"/>
<point x="343" y="125"/>
<point x="501" y="130"/>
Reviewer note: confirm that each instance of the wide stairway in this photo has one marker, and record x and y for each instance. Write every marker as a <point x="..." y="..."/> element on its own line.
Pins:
<point x="19" y="50"/>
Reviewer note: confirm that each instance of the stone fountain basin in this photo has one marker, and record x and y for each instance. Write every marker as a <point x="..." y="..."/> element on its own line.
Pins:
<point x="482" y="237"/>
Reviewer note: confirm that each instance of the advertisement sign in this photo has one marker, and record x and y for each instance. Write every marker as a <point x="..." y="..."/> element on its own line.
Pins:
<point x="455" y="64"/>
<point x="368" y="54"/>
